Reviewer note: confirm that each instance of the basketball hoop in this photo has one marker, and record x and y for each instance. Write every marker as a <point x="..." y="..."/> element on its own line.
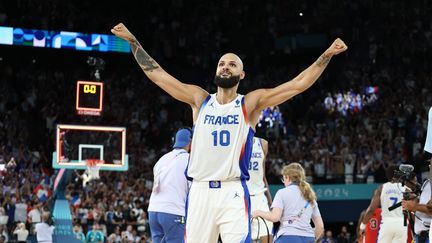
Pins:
<point x="93" y="167"/>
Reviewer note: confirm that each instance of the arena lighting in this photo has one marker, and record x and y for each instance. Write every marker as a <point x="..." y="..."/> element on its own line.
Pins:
<point x="62" y="40"/>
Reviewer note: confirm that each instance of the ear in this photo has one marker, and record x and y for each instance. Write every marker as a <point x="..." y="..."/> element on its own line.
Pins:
<point x="242" y="75"/>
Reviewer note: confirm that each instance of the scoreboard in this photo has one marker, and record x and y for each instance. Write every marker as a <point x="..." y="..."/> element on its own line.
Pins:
<point x="89" y="98"/>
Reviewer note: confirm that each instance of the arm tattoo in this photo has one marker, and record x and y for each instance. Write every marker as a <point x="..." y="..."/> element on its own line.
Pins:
<point x="143" y="58"/>
<point x="323" y="60"/>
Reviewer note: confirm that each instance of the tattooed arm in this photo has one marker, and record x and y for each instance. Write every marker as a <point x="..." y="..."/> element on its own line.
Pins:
<point x="260" y="99"/>
<point x="190" y="94"/>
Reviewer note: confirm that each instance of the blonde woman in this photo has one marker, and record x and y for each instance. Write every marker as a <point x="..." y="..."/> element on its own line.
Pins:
<point x="294" y="206"/>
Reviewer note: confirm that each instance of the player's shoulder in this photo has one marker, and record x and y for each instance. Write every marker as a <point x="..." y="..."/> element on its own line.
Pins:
<point x="263" y="142"/>
<point x="251" y="99"/>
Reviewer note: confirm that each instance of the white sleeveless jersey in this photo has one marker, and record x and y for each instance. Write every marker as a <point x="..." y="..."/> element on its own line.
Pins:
<point x="256" y="172"/>
<point x="221" y="142"/>
<point x="390" y="195"/>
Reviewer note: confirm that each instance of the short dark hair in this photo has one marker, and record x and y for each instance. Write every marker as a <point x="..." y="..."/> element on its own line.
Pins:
<point x="390" y="172"/>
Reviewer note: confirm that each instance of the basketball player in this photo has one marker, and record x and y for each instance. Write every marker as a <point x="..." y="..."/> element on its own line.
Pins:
<point x="224" y="124"/>
<point x="370" y="233"/>
<point x="392" y="227"/>
<point x="259" y="191"/>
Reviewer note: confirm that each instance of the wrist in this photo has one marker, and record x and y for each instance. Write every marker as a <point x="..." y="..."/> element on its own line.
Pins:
<point x="132" y="39"/>
<point x="327" y="54"/>
<point x="362" y="226"/>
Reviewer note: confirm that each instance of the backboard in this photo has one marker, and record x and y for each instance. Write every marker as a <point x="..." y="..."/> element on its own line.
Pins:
<point x="76" y="144"/>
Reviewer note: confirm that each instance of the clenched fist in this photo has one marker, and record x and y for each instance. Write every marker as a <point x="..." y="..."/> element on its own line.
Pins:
<point x="121" y="31"/>
<point x="336" y="47"/>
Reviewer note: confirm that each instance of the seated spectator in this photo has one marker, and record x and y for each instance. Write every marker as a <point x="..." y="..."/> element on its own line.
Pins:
<point x="95" y="235"/>
<point x="78" y="232"/>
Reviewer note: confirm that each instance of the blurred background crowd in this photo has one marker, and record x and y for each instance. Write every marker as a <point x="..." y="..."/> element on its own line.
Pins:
<point x="388" y="45"/>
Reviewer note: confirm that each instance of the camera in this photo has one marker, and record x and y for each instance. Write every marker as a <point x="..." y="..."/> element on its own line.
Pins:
<point x="98" y="65"/>
<point x="96" y="62"/>
<point x="405" y="175"/>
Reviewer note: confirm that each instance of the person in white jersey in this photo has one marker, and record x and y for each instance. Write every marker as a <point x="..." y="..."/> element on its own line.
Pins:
<point x="294" y="207"/>
<point x="259" y="191"/>
<point x="392" y="228"/>
<point x="170" y="187"/>
<point x="224" y="123"/>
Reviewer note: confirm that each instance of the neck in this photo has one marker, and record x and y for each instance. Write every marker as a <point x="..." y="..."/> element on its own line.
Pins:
<point x="225" y="96"/>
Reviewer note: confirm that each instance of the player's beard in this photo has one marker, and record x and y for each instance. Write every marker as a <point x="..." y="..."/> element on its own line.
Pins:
<point x="226" y="83"/>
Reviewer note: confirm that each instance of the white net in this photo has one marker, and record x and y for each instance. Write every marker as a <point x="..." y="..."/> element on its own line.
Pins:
<point x="93" y="167"/>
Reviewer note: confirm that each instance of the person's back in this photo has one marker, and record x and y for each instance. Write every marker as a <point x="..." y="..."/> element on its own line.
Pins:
<point x="44" y="231"/>
<point x="168" y="198"/>
<point x="391" y="194"/>
<point x="258" y="190"/>
<point x="295" y="207"/>
<point x="256" y="172"/>
<point x="372" y="227"/>
<point x="297" y="212"/>
<point x="171" y="196"/>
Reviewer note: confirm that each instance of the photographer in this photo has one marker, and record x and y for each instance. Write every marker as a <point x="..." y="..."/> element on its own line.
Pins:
<point x="423" y="212"/>
<point x="423" y="206"/>
<point x="44" y="231"/>
<point x="393" y="227"/>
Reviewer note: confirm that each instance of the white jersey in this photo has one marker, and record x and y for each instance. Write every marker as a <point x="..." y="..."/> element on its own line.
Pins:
<point x="390" y="195"/>
<point x="221" y="142"/>
<point x="256" y="172"/>
<point x="428" y="143"/>
<point x="170" y="186"/>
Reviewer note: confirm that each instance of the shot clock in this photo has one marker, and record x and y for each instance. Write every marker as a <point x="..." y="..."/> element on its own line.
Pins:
<point x="89" y="98"/>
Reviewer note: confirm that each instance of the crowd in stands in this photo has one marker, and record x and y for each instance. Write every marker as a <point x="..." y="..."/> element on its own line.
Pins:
<point x="387" y="51"/>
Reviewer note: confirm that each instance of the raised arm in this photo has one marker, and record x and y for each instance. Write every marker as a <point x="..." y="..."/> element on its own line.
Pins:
<point x="190" y="94"/>
<point x="260" y="99"/>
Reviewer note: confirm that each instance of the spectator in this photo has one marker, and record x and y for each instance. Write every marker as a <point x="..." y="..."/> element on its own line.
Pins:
<point x="328" y="238"/>
<point x="95" y="235"/>
<point x="78" y="232"/>
<point x="44" y="231"/>
<point x="21" y="233"/>
<point x="344" y="236"/>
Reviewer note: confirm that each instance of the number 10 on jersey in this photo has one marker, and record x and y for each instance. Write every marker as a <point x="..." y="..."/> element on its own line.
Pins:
<point x="222" y="138"/>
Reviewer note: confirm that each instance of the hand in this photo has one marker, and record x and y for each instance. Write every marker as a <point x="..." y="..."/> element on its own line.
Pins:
<point x="337" y="47"/>
<point x="255" y="214"/>
<point x="409" y="205"/>
<point x="121" y="31"/>
<point x="429" y="205"/>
